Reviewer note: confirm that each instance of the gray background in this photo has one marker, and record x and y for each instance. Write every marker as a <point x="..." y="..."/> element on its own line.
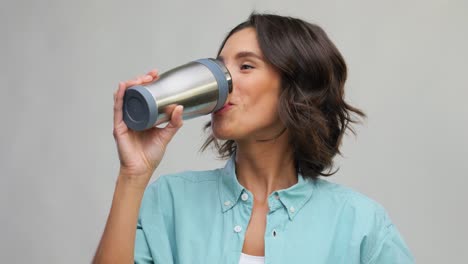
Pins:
<point x="62" y="60"/>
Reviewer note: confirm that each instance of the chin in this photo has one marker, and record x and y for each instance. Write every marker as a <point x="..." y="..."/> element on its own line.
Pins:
<point x="221" y="135"/>
<point x="222" y="132"/>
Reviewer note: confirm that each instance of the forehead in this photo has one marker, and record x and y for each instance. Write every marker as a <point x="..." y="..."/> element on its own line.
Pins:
<point x="241" y="41"/>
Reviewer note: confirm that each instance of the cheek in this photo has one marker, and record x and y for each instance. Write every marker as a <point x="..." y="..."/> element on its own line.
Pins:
<point x="256" y="90"/>
<point x="257" y="98"/>
<point x="263" y="97"/>
<point x="263" y="111"/>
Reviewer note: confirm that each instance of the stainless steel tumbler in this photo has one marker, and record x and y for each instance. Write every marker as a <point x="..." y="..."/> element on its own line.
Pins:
<point x="201" y="86"/>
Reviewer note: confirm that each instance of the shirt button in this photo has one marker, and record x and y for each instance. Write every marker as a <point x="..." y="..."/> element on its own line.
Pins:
<point x="244" y="197"/>
<point x="237" y="229"/>
<point x="292" y="210"/>
<point x="274" y="232"/>
<point x="276" y="196"/>
<point x="227" y="203"/>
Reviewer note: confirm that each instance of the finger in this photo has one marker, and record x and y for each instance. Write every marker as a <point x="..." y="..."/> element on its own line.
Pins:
<point x="176" y="122"/>
<point x="118" y="103"/>
<point x="153" y="73"/>
<point x="147" y="78"/>
<point x="131" y="83"/>
<point x="140" y="79"/>
<point x="176" y="117"/>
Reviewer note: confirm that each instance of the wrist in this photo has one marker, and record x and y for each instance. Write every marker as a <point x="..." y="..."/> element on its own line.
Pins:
<point x="133" y="181"/>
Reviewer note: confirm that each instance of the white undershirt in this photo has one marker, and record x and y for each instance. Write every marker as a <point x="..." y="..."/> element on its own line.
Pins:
<point x="249" y="259"/>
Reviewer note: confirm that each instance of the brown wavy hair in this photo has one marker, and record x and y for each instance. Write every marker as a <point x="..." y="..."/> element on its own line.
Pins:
<point x="311" y="104"/>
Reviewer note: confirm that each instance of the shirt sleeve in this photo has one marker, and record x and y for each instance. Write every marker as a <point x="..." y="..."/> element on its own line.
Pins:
<point x="385" y="244"/>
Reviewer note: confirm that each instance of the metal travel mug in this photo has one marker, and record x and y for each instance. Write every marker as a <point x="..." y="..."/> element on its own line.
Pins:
<point x="201" y="86"/>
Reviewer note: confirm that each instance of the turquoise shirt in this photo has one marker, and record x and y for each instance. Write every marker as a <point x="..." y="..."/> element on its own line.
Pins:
<point x="201" y="217"/>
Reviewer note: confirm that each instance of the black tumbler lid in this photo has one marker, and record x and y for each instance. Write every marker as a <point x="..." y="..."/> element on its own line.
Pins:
<point x="139" y="110"/>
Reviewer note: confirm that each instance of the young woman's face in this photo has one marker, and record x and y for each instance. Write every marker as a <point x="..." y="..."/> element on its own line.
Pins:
<point x="251" y="111"/>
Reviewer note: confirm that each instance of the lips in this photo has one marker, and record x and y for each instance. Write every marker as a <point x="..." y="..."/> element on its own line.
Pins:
<point x="224" y="108"/>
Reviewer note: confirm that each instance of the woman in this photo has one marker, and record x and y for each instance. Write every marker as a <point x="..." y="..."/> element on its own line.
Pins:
<point x="280" y="128"/>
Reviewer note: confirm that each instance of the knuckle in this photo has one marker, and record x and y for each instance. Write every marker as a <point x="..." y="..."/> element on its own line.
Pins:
<point x="116" y="132"/>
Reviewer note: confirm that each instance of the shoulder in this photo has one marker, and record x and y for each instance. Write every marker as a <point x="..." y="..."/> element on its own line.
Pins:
<point x="380" y="241"/>
<point x="353" y="208"/>
<point x="346" y="196"/>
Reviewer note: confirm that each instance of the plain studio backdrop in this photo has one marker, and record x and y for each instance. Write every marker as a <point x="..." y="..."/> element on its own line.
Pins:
<point x="62" y="60"/>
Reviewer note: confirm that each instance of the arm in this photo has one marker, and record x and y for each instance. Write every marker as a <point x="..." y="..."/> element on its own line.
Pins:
<point x="118" y="240"/>
<point x="140" y="153"/>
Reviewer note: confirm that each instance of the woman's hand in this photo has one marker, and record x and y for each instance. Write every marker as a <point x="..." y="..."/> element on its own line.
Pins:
<point x="140" y="152"/>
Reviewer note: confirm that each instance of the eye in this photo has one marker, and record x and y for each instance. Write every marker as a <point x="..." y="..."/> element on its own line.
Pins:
<point x="246" y="67"/>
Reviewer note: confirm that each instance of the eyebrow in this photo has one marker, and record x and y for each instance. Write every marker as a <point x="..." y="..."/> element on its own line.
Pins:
<point x="244" y="54"/>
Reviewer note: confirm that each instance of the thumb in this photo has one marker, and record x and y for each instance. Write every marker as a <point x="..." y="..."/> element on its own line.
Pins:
<point x="176" y="122"/>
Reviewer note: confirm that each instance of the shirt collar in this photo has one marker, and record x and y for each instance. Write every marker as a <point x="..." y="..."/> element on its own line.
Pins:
<point x="293" y="198"/>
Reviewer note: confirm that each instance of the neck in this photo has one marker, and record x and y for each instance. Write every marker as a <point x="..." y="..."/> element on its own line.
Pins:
<point x="265" y="166"/>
